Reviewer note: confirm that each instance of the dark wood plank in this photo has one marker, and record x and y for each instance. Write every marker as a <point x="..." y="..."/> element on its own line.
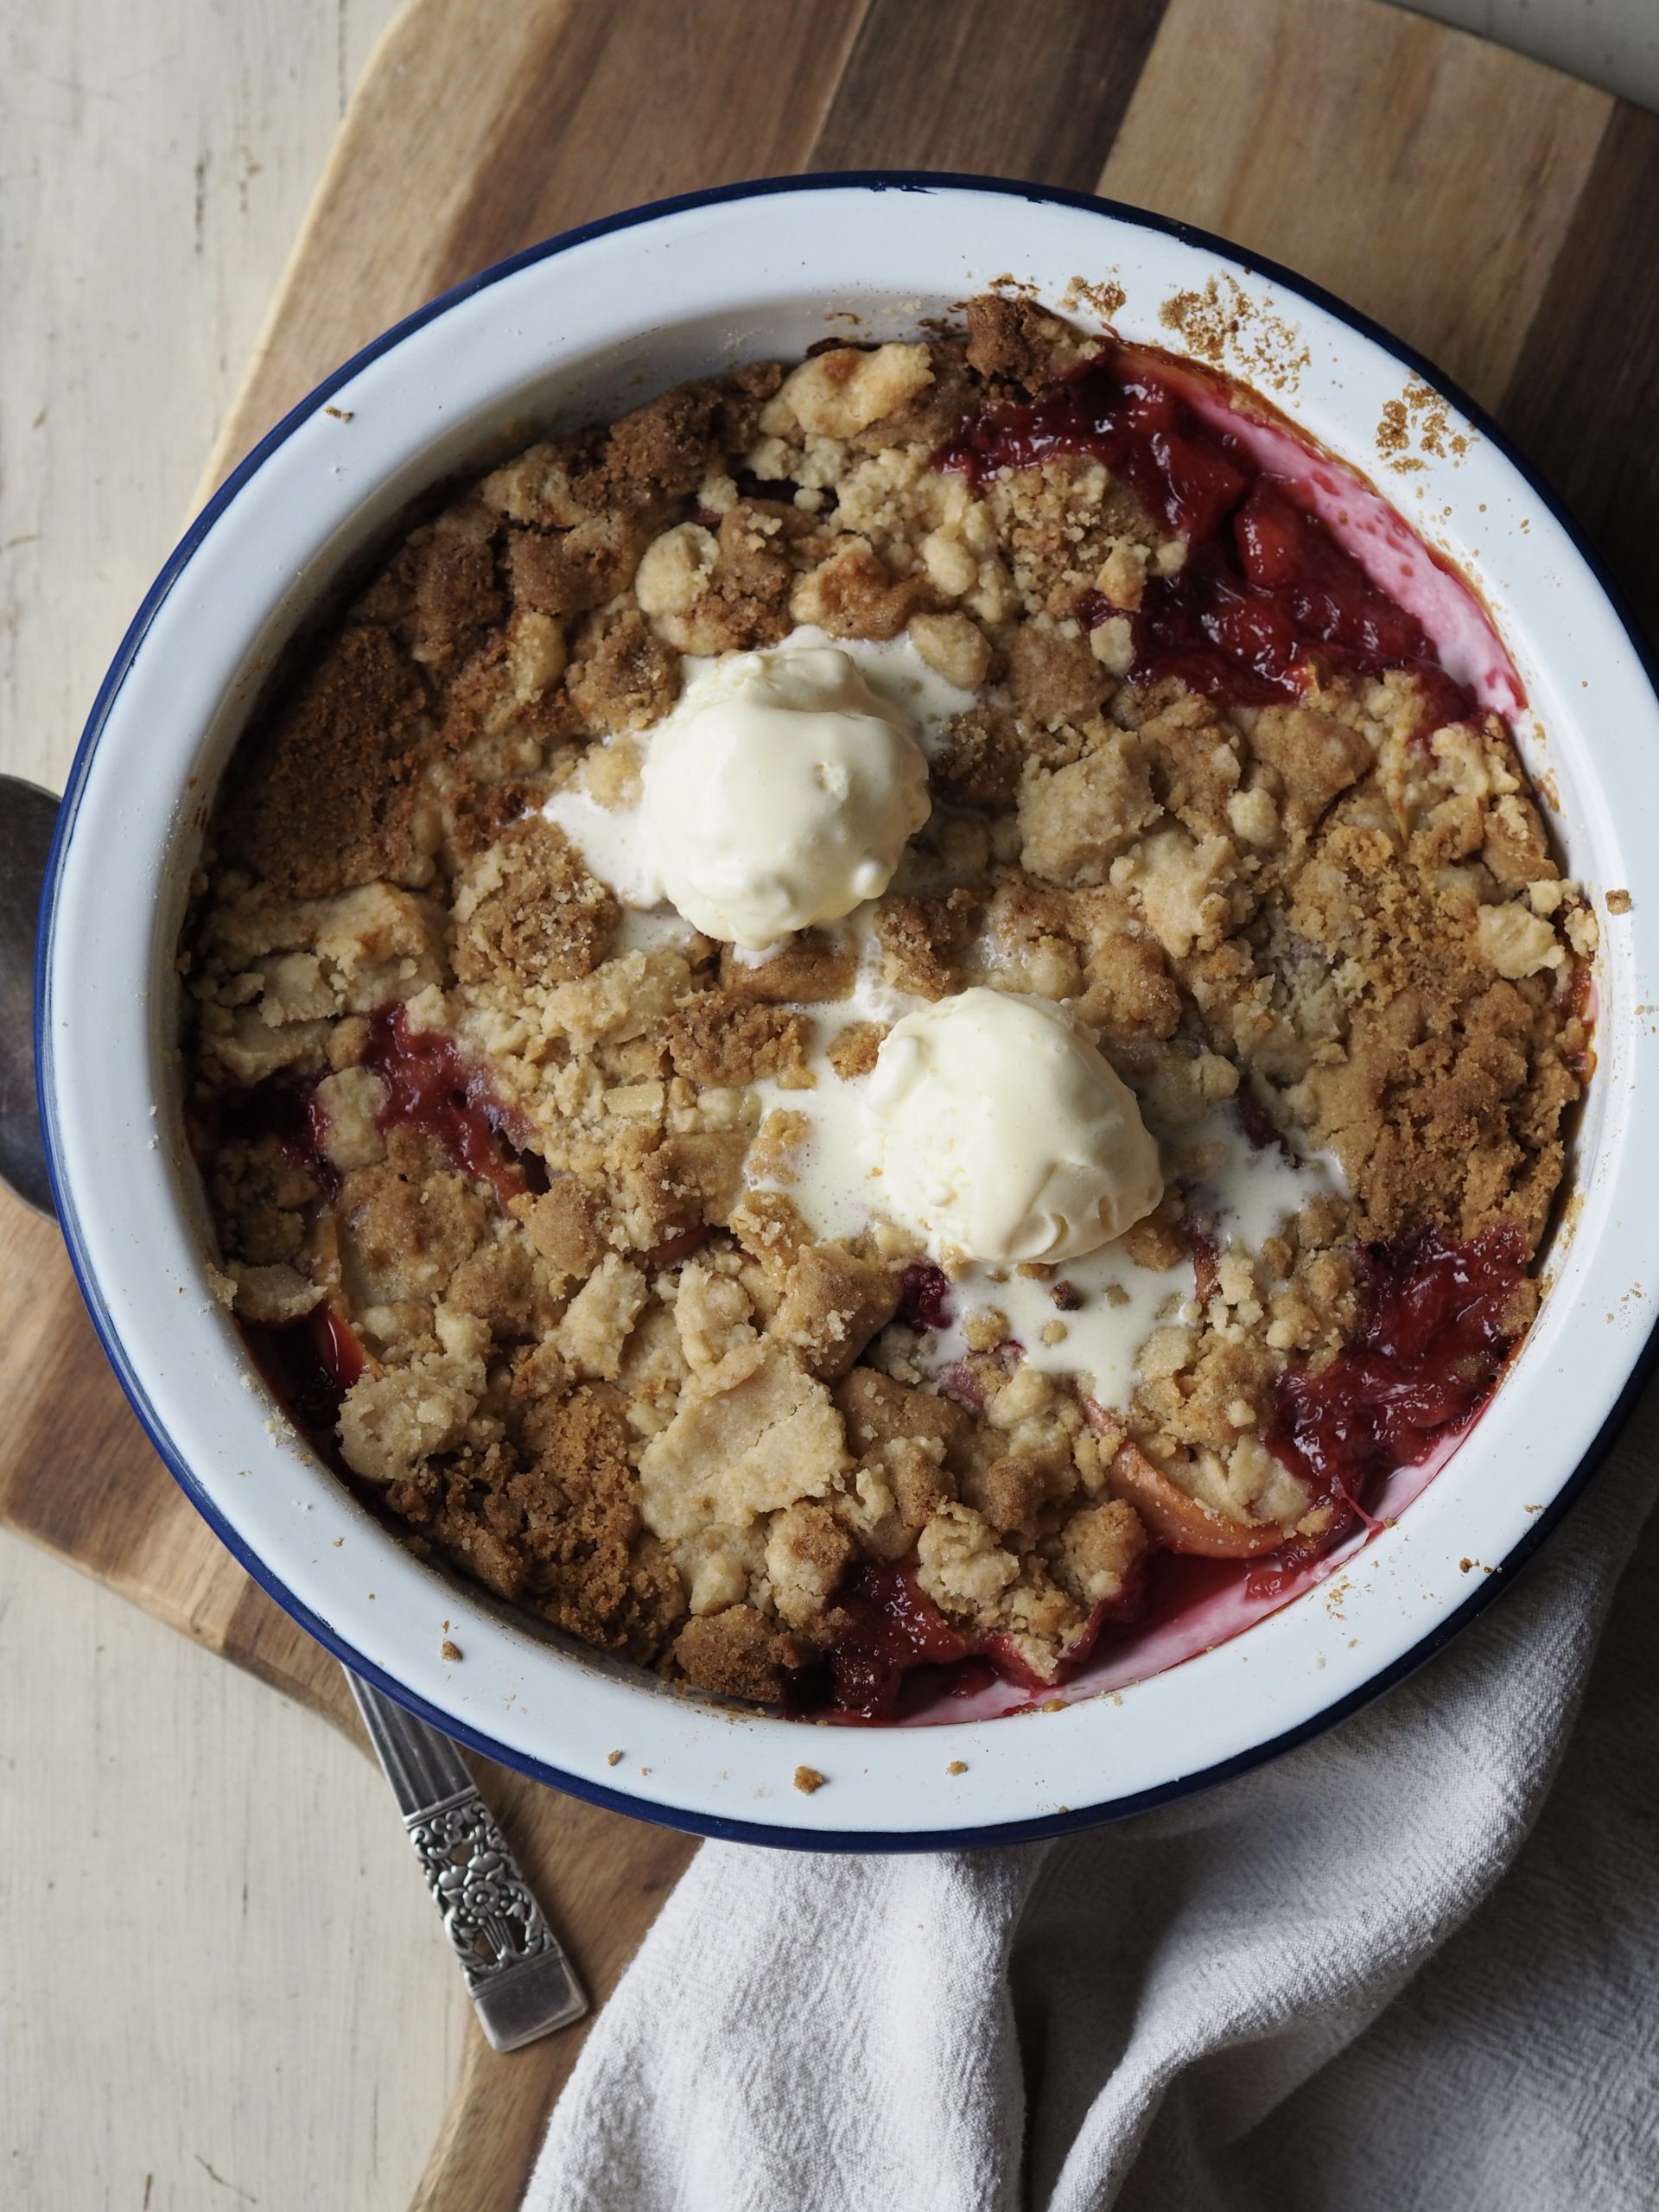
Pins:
<point x="1583" y="401"/>
<point x="1036" y="90"/>
<point x="1425" y="175"/>
<point x="632" y="102"/>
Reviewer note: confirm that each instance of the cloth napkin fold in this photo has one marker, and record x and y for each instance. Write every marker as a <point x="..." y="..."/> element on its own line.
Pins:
<point x="1309" y="1987"/>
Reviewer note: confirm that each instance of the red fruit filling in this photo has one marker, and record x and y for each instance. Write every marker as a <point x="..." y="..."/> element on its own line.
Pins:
<point x="924" y="1297"/>
<point x="1266" y="591"/>
<point x="898" y="1649"/>
<point x="430" y="1087"/>
<point x="279" y="1111"/>
<point x="1437" y="1329"/>
<point x="310" y="1363"/>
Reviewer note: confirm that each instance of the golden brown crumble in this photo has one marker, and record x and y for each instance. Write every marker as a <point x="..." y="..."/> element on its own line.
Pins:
<point x="527" y="909"/>
<point x="811" y="969"/>
<point x="724" y="1040"/>
<point x="618" y="1380"/>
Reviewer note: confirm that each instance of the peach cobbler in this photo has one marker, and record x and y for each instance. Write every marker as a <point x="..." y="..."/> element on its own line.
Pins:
<point x="836" y="1018"/>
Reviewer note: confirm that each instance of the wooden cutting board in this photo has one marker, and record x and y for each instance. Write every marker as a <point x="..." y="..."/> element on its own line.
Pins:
<point x="1500" y="217"/>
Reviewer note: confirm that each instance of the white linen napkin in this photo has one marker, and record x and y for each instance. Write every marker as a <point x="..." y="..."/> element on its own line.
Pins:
<point x="1231" y="2002"/>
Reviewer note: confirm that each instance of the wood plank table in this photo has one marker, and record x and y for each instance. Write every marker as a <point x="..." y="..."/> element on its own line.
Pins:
<point x="1500" y="217"/>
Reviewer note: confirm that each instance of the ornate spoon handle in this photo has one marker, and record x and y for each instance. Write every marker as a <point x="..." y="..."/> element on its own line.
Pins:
<point x="521" y="1984"/>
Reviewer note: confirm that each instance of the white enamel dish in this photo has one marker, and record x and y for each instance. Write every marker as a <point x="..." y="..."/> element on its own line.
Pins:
<point x="582" y="327"/>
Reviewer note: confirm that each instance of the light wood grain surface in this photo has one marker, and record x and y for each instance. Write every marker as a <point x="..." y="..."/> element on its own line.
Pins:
<point x="221" y="1981"/>
<point x="220" y="1985"/>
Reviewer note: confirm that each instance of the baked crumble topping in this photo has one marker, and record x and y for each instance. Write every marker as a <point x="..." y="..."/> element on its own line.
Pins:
<point x="537" y="1201"/>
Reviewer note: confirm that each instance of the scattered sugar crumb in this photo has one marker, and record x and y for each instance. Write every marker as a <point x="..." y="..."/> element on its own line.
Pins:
<point x="807" y="1779"/>
<point x="1420" y="413"/>
<point x="1618" y="902"/>
<point x="1104" y="299"/>
<point x="612" y="1759"/>
<point x="957" y="1766"/>
<point x="1223" y="320"/>
<point x="449" y="1650"/>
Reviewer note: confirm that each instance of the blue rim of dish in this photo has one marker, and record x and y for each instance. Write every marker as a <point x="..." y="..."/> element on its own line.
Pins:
<point x="1045" y="1826"/>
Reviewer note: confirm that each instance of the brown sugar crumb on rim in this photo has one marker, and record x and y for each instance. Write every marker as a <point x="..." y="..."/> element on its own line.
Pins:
<point x="1393" y="435"/>
<point x="1224" y="326"/>
<point x="1103" y="297"/>
<point x="1422" y="417"/>
<point x="448" y="1650"/>
<point x="807" y="1779"/>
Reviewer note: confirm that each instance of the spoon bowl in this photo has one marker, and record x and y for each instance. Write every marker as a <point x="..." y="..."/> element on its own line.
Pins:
<point x="28" y="818"/>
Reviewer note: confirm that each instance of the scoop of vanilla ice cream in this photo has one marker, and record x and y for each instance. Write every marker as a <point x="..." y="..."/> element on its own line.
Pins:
<point x="997" y="1128"/>
<point x="780" y="792"/>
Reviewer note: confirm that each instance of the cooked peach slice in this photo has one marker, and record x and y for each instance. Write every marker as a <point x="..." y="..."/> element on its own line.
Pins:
<point x="1182" y="1524"/>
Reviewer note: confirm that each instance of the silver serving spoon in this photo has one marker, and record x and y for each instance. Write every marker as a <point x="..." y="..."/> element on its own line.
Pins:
<point x="521" y="1984"/>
